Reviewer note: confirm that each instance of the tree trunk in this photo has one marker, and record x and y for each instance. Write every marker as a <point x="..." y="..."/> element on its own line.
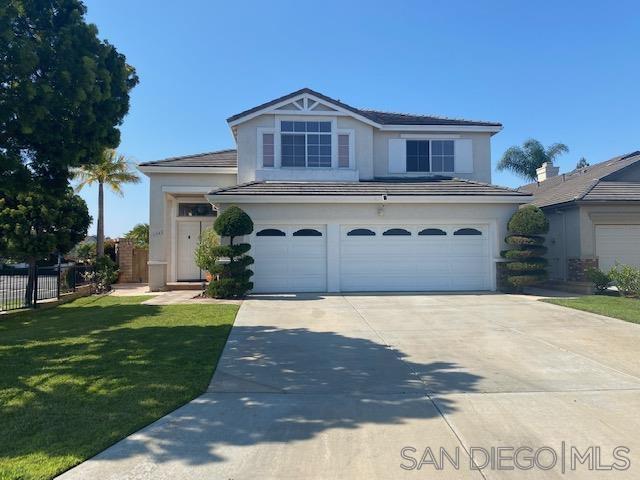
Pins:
<point x="100" y="244"/>
<point x="29" y="290"/>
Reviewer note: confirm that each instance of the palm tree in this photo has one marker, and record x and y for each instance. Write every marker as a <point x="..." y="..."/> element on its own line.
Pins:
<point x="112" y="169"/>
<point x="524" y="161"/>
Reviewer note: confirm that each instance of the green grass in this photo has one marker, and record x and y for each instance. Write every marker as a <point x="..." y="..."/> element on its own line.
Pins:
<point x="77" y="378"/>
<point x="618" y="307"/>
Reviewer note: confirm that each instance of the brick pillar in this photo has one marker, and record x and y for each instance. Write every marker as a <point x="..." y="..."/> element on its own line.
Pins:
<point x="577" y="268"/>
<point x="125" y="261"/>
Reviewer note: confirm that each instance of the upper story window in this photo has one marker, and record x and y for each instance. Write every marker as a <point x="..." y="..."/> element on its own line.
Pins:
<point x="268" y="150"/>
<point x="196" y="210"/>
<point x="430" y="156"/>
<point x="305" y="144"/>
<point x="343" y="150"/>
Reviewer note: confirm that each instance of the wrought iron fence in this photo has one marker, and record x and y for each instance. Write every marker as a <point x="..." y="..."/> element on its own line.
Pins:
<point x="24" y="288"/>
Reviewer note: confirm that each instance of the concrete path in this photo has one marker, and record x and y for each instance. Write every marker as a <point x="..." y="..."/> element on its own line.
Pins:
<point x="327" y="387"/>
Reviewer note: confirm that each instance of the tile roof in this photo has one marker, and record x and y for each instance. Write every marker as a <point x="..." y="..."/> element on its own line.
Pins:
<point x="383" y="118"/>
<point x="220" y="158"/>
<point x="578" y="184"/>
<point x="614" y="191"/>
<point x="390" y="187"/>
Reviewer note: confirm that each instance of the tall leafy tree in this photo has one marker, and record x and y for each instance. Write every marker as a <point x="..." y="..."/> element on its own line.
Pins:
<point x="523" y="161"/>
<point x="36" y="223"/>
<point x="112" y="170"/>
<point x="140" y="235"/>
<point x="63" y="92"/>
<point x="582" y="163"/>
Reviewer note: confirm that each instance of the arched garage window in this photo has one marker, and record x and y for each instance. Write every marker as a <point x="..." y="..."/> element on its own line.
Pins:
<point x="432" y="232"/>
<point x="361" y="232"/>
<point x="467" y="231"/>
<point x="397" y="231"/>
<point x="307" y="232"/>
<point x="270" y="232"/>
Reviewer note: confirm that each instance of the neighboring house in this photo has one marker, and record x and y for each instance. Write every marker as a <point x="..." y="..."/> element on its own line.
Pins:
<point x="343" y="199"/>
<point x="594" y="215"/>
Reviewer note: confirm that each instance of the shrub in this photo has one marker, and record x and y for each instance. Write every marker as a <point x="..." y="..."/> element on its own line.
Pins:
<point x="627" y="279"/>
<point x="104" y="274"/>
<point x="599" y="279"/>
<point x="529" y="220"/>
<point x="205" y="254"/>
<point x="231" y="279"/>
<point x="525" y="263"/>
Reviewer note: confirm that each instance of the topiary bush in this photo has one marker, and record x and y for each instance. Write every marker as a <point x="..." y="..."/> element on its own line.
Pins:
<point x="231" y="278"/>
<point x="525" y="262"/>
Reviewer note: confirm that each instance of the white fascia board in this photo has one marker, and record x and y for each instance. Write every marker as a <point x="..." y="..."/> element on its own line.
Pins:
<point x="225" y="199"/>
<point x="210" y="170"/>
<point x="185" y="189"/>
<point x="271" y="109"/>
<point x="441" y="128"/>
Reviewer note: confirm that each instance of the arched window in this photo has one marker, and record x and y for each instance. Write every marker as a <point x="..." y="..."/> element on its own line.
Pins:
<point x="270" y="232"/>
<point x="397" y="231"/>
<point x="361" y="232"/>
<point x="307" y="232"/>
<point x="467" y="231"/>
<point x="432" y="232"/>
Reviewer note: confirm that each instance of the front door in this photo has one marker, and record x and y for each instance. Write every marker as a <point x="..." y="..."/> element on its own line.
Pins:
<point x="188" y="238"/>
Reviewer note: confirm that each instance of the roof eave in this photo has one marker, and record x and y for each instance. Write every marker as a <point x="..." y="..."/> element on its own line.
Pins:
<point x="146" y="169"/>
<point x="379" y="199"/>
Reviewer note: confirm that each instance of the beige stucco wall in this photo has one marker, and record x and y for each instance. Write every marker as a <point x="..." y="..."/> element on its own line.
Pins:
<point x="563" y="240"/>
<point x="371" y="148"/>
<point x="247" y="141"/>
<point x="611" y="214"/>
<point x="160" y="221"/>
<point x="572" y="231"/>
<point x="481" y="154"/>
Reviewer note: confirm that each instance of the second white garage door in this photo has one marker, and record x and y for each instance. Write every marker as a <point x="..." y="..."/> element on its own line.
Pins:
<point x="289" y="258"/>
<point x="617" y="243"/>
<point x="414" y="258"/>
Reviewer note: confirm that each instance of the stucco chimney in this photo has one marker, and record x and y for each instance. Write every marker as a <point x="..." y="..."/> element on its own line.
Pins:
<point x="547" y="170"/>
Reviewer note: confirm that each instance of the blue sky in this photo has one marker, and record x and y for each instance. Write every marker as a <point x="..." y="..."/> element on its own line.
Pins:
<point x="555" y="71"/>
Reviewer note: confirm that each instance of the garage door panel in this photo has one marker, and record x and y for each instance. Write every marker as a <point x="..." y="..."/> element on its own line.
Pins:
<point x="617" y="243"/>
<point x="415" y="262"/>
<point x="289" y="263"/>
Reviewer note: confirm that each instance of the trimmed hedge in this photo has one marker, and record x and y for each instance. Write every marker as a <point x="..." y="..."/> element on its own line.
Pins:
<point x="529" y="220"/>
<point x="232" y="279"/>
<point x="525" y="264"/>
<point x="530" y="252"/>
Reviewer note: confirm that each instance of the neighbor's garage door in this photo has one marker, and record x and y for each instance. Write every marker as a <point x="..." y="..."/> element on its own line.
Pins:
<point x="414" y="258"/>
<point x="289" y="258"/>
<point x="619" y="243"/>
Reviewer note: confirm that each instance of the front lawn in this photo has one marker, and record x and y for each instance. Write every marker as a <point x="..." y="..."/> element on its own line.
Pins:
<point x="77" y="378"/>
<point x="618" y="307"/>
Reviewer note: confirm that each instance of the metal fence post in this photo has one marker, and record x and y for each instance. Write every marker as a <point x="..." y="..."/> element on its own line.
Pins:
<point x="35" y="286"/>
<point x="58" y="285"/>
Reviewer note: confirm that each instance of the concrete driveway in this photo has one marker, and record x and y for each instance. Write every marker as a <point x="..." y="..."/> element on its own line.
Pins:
<point x="327" y="387"/>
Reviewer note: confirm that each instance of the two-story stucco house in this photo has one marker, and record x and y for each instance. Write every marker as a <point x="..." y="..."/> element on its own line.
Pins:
<point x="343" y="199"/>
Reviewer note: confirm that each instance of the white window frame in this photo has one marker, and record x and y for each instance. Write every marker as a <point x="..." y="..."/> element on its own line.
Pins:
<point x="431" y="139"/>
<point x="352" y="161"/>
<point x="259" y="160"/>
<point x="277" y="139"/>
<point x="332" y="134"/>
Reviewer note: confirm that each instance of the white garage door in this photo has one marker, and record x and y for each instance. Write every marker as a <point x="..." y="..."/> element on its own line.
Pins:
<point x="619" y="243"/>
<point x="289" y="258"/>
<point x="414" y="258"/>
